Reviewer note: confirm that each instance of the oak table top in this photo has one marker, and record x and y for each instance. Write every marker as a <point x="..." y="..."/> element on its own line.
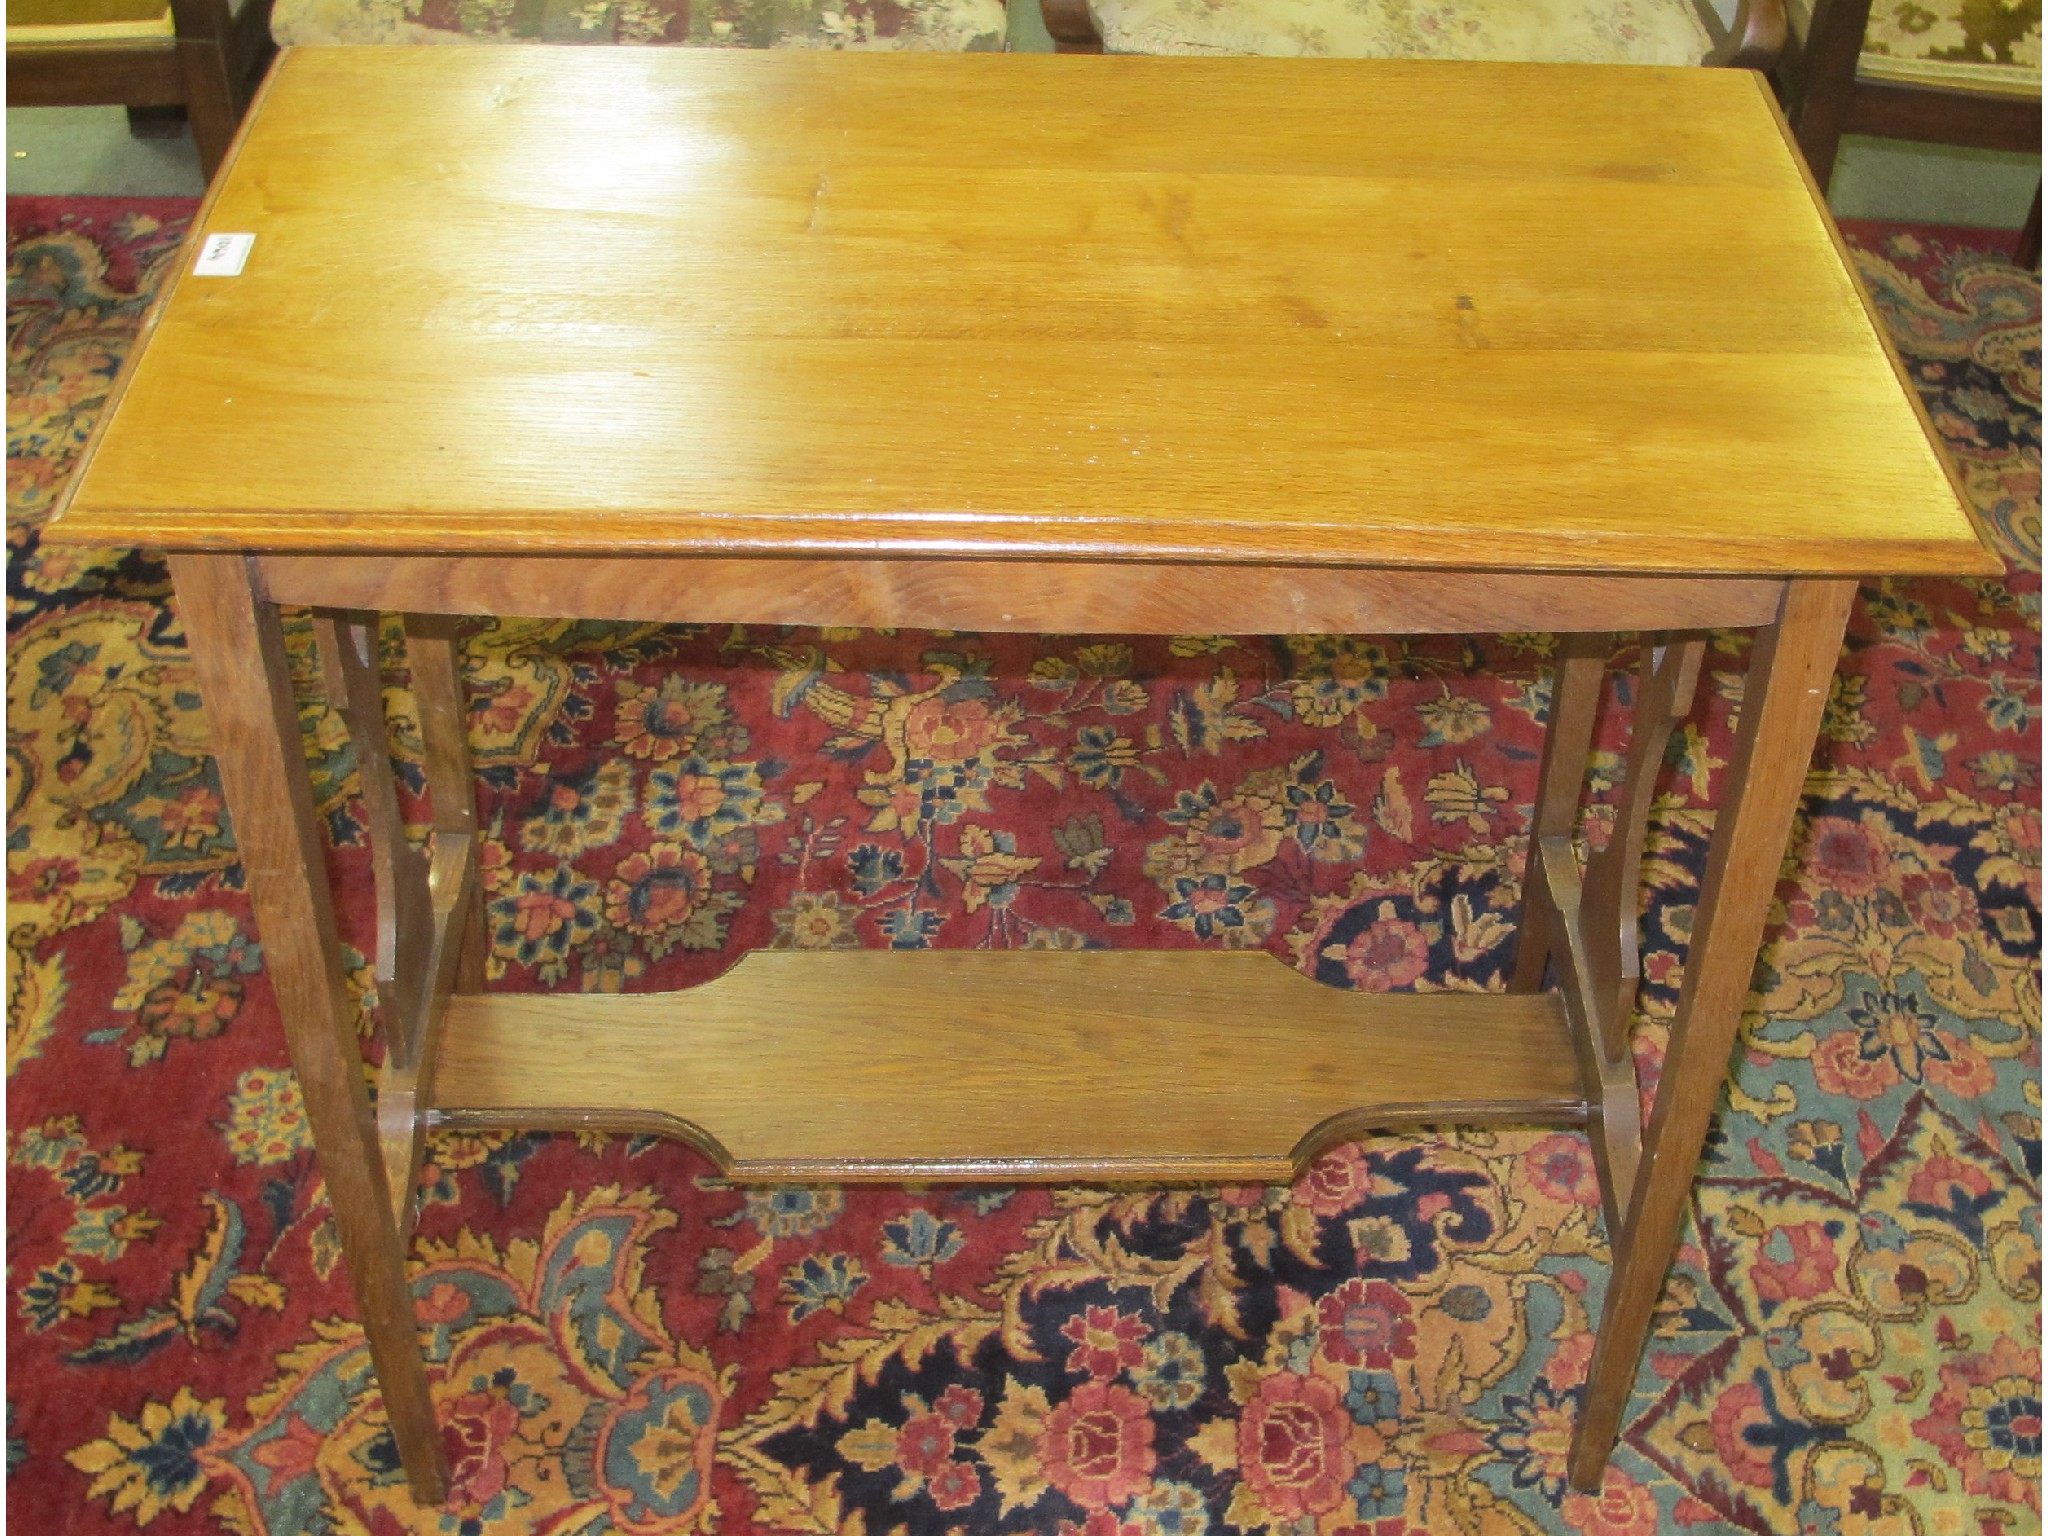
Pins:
<point x="626" y="301"/>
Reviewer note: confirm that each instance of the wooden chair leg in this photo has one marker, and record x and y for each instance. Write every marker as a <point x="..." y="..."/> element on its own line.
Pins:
<point x="238" y="655"/>
<point x="1827" y="82"/>
<point x="1560" y="785"/>
<point x="2027" y="249"/>
<point x="433" y="650"/>
<point x="1783" y="700"/>
<point x="160" y="122"/>
<point x="211" y="103"/>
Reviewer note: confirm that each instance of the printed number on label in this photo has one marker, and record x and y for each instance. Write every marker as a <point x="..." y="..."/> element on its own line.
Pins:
<point x="223" y="255"/>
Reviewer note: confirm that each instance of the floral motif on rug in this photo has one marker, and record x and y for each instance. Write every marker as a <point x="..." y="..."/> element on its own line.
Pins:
<point x="621" y="1341"/>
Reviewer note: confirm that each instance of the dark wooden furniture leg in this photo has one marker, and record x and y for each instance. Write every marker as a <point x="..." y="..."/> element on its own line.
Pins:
<point x="238" y="654"/>
<point x="214" y="98"/>
<point x="1827" y="80"/>
<point x="1783" y="700"/>
<point x="155" y="122"/>
<point x="1560" y="786"/>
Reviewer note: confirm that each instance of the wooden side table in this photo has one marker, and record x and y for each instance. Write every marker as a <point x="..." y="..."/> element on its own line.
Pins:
<point x="1010" y="343"/>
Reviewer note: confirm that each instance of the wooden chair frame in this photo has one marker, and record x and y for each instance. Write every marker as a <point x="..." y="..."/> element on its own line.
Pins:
<point x="210" y="68"/>
<point x="1825" y="98"/>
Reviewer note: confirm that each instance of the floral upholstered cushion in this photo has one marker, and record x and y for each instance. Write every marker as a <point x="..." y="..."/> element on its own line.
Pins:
<point x="937" y="25"/>
<point x="1536" y="31"/>
<point x="1976" y="45"/>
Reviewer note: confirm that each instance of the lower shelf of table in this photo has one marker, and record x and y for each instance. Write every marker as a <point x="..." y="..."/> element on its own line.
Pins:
<point x="998" y="1065"/>
<point x="1002" y="1065"/>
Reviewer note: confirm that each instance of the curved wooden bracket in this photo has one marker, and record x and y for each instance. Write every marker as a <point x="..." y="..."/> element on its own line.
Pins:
<point x="1614" y="1119"/>
<point x="433" y="655"/>
<point x="1756" y="40"/>
<point x="1560" y="787"/>
<point x="406" y="1085"/>
<point x="1592" y="924"/>
<point x="427" y="905"/>
<point x="348" y="644"/>
<point x="1664" y="690"/>
<point x="1072" y="26"/>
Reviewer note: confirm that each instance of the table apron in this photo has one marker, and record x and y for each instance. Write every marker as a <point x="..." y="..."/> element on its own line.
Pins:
<point x="1017" y="596"/>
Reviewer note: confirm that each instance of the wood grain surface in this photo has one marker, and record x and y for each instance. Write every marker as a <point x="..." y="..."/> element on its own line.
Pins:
<point x="978" y="1064"/>
<point x="1297" y="311"/>
<point x="1018" y="596"/>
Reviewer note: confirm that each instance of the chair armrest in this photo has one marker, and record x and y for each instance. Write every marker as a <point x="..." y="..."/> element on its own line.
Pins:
<point x="1072" y="26"/>
<point x="1756" y="39"/>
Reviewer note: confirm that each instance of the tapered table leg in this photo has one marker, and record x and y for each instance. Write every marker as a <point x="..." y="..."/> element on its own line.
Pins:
<point x="1560" y="786"/>
<point x="238" y="653"/>
<point x="1783" y="700"/>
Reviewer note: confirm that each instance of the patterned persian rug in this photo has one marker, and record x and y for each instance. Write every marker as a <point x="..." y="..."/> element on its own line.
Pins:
<point x="623" y="1342"/>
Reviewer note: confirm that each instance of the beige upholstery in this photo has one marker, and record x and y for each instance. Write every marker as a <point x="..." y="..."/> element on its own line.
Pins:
<point x="1544" y="31"/>
<point x="1973" y="45"/>
<point x="938" y="25"/>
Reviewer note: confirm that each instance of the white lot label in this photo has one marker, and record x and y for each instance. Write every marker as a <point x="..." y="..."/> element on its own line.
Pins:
<point x="223" y="255"/>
